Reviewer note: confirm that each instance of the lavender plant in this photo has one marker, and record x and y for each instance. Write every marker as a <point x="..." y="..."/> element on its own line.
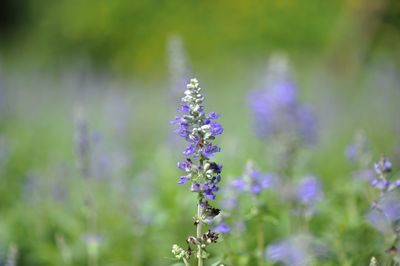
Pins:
<point x="83" y="152"/>
<point x="385" y="211"/>
<point x="280" y="116"/>
<point x="306" y="196"/>
<point x="199" y="130"/>
<point x="255" y="182"/>
<point x="252" y="183"/>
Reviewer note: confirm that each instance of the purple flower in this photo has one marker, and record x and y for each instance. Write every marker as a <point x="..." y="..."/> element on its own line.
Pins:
<point x="284" y="92"/>
<point x="287" y="253"/>
<point x="184" y="109"/>
<point x="183" y="179"/>
<point x="231" y="196"/>
<point x="309" y="190"/>
<point x="195" y="187"/>
<point x="256" y="189"/>
<point x="379" y="222"/>
<point x="389" y="205"/>
<point x="384" y="166"/>
<point x="222" y="228"/>
<point x="230" y="203"/>
<point x="189" y="150"/>
<point x="385" y="213"/>
<point x="200" y="131"/>
<point x="210" y="149"/>
<point x="351" y="152"/>
<point x="256" y="181"/>
<point x="213" y="116"/>
<point x="177" y="121"/>
<point x="307" y="125"/>
<point x="209" y="194"/>
<point x="277" y="110"/>
<point x="186" y="165"/>
<point x="216" y="129"/>
<point x="211" y="187"/>
<point x="217" y="168"/>
<point x="183" y="130"/>
<point x="259" y="181"/>
<point x="380" y="184"/>
<point x="298" y="250"/>
<point x="239" y="184"/>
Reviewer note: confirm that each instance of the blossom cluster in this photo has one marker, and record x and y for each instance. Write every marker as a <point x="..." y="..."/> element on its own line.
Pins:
<point x="383" y="168"/>
<point x="308" y="194"/>
<point x="253" y="180"/>
<point x="199" y="130"/>
<point x="385" y="211"/>
<point x="277" y="110"/>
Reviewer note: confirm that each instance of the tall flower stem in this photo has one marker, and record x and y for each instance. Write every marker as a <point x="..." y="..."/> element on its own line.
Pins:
<point x="260" y="231"/>
<point x="198" y="234"/>
<point x="83" y="151"/>
<point x="199" y="129"/>
<point x="260" y="240"/>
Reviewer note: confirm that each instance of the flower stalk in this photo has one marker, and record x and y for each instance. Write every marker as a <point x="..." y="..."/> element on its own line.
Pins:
<point x="199" y="130"/>
<point x="198" y="234"/>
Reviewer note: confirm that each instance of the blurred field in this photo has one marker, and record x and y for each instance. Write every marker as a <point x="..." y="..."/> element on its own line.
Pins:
<point x="107" y="64"/>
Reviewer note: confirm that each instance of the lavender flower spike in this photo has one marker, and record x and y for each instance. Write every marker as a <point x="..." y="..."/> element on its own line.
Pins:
<point x="383" y="168"/>
<point x="199" y="130"/>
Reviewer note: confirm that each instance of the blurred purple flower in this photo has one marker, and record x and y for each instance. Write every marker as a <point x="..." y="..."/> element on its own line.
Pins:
<point x="378" y="220"/>
<point x="238" y="184"/>
<point x="298" y="250"/>
<point x="307" y="124"/>
<point x="259" y="181"/>
<point x="385" y="213"/>
<point x="358" y="151"/>
<point x="286" y="253"/>
<point x="222" y="228"/>
<point x="380" y="184"/>
<point x="253" y="180"/>
<point x="383" y="169"/>
<point x="309" y="190"/>
<point x="229" y="203"/>
<point x="351" y="152"/>
<point x="277" y="111"/>
<point x="384" y="166"/>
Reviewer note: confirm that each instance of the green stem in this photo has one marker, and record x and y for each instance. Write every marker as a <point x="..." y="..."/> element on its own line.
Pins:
<point x="260" y="240"/>
<point x="198" y="234"/>
<point x="186" y="262"/>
